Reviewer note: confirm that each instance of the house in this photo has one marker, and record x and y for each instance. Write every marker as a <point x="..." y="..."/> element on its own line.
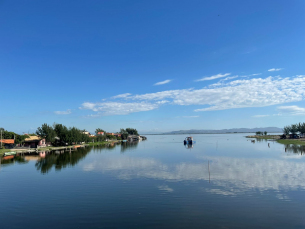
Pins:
<point x="100" y="133"/>
<point x="109" y="133"/>
<point x="34" y="142"/>
<point x="134" y="138"/>
<point x="8" y="143"/>
<point x="117" y="135"/>
<point x="86" y="132"/>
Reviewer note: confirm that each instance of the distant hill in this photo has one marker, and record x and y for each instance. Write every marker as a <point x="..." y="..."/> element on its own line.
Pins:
<point x="234" y="130"/>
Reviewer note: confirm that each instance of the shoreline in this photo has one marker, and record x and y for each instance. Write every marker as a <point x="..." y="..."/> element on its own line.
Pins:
<point x="51" y="148"/>
<point x="300" y="141"/>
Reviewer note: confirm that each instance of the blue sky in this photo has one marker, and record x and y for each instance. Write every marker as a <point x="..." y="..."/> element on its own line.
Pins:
<point x="153" y="65"/>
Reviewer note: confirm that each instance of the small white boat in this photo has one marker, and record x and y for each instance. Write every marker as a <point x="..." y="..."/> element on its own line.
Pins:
<point x="9" y="154"/>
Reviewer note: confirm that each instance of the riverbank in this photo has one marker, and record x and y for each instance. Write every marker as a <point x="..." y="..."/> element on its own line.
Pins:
<point x="300" y="141"/>
<point x="50" y="148"/>
<point x="264" y="136"/>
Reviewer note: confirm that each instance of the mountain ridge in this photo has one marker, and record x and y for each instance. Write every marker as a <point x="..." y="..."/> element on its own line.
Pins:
<point x="232" y="130"/>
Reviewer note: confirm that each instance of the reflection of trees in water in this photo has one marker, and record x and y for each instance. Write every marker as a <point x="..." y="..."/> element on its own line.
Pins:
<point x="60" y="161"/>
<point x="128" y="146"/>
<point x="297" y="149"/>
<point x="261" y="140"/>
<point x="16" y="159"/>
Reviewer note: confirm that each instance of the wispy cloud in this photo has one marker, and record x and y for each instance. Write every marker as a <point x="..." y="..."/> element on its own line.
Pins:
<point x="165" y="188"/>
<point x="292" y="110"/>
<point x="275" y="69"/>
<point x="63" y="112"/>
<point x="230" y="78"/>
<point x="220" y="75"/>
<point x="241" y="93"/>
<point x="162" y="82"/>
<point x="121" y="96"/>
<point x="116" y="108"/>
<point x="260" y="116"/>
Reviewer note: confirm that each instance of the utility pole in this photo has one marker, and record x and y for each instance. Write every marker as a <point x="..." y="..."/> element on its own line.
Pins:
<point x="1" y="138"/>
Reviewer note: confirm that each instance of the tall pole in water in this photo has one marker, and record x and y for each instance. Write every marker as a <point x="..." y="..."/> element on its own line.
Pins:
<point x="1" y="138"/>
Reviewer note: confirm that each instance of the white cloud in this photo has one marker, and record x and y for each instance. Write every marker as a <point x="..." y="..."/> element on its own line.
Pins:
<point x="255" y="92"/>
<point x="231" y="176"/>
<point x="259" y="116"/>
<point x="121" y="96"/>
<point x="165" y="188"/>
<point x="162" y="82"/>
<point x="230" y="78"/>
<point x="240" y="93"/>
<point x="63" y="112"/>
<point x="116" y="108"/>
<point x="275" y="69"/>
<point x="214" y="77"/>
<point x="292" y="110"/>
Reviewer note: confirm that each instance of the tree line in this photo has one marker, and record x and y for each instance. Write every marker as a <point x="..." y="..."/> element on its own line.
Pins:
<point x="261" y="133"/>
<point x="294" y="128"/>
<point x="58" y="134"/>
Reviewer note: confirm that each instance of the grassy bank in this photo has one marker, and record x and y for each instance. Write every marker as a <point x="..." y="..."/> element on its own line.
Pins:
<point x="2" y="151"/>
<point x="291" y="141"/>
<point x="264" y="136"/>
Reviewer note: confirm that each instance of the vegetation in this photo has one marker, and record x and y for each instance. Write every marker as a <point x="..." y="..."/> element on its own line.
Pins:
<point x="294" y="129"/>
<point x="59" y="134"/>
<point x="290" y="141"/>
<point x="12" y="135"/>
<point x="260" y="133"/>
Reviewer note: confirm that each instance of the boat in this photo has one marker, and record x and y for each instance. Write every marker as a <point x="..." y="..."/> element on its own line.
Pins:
<point x="189" y="141"/>
<point x="9" y="154"/>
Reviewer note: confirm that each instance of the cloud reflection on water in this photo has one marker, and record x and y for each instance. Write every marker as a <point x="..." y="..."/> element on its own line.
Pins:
<point x="232" y="175"/>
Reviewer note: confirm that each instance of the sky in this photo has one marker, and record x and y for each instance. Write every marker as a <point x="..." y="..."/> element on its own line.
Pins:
<point x="156" y="66"/>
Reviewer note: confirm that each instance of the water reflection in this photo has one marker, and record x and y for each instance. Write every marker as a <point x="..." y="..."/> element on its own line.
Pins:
<point x="128" y="146"/>
<point x="60" y="159"/>
<point x="189" y="146"/>
<point x="11" y="160"/>
<point x="295" y="149"/>
<point x="232" y="175"/>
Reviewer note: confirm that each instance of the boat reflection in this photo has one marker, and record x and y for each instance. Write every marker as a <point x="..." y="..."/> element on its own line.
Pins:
<point x="188" y="146"/>
<point x="11" y="160"/>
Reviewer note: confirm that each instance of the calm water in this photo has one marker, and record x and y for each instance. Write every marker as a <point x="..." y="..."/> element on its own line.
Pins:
<point x="224" y="181"/>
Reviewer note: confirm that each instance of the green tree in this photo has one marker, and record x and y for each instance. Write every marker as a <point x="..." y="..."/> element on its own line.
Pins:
<point x="294" y="128"/>
<point x="301" y="128"/>
<point x="132" y="131"/>
<point x="47" y="132"/>
<point x="286" y="130"/>
<point x="99" y="130"/>
<point x="265" y="133"/>
<point x="124" y="134"/>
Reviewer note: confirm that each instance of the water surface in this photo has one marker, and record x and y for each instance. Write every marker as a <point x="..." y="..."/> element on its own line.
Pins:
<point x="223" y="181"/>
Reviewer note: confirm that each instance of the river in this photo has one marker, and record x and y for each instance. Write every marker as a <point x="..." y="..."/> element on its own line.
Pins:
<point x="223" y="181"/>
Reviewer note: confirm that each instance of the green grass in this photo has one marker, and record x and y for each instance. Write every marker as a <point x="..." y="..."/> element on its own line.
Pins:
<point x="2" y="151"/>
<point x="101" y="143"/>
<point x="291" y="141"/>
<point x="264" y="136"/>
